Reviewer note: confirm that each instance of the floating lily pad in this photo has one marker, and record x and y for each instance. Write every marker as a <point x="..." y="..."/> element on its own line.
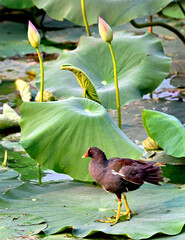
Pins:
<point x="14" y="225"/>
<point x="141" y="67"/>
<point x="9" y="179"/>
<point x="11" y="70"/>
<point x="115" y="12"/>
<point x="61" y="132"/>
<point x="14" y="41"/>
<point x="76" y="205"/>
<point x="166" y="130"/>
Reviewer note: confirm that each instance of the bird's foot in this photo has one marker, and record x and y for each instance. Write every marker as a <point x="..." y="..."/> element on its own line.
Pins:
<point x="113" y="220"/>
<point x="127" y="214"/>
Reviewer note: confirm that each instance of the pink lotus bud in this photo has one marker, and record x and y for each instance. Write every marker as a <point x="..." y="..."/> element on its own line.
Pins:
<point x="105" y="30"/>
<point x="33" y="35"/>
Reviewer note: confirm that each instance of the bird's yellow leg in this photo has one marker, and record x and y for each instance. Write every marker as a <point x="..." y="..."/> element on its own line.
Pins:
<point x="128" y="211"/>
<point x="113" y="219"/>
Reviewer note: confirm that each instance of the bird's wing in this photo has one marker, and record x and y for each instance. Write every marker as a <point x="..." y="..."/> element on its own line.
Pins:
<point x="128" y="169"/>
<point x="132" y="174"/>
<point x="135" y="171"/>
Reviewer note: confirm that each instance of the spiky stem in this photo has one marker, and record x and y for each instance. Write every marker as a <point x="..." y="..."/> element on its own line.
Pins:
<point x="85" y="17"/>
<point x="116" y="85"/>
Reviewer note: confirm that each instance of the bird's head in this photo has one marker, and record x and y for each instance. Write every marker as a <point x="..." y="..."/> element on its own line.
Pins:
<point x="94" y="152"/>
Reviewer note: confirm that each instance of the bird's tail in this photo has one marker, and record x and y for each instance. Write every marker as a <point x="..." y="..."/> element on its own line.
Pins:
<point x="152" y="174"/>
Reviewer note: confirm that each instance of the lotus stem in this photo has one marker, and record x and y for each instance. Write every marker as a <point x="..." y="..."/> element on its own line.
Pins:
<point x="42" y="75"/>
<point x="85" y="18"/>
<point x="161" y="24"/>
<point x="116" y="85"/>
<point x="41" y="100"/>
<point x="39" y="174"/>
<point x="5" y="159"/>
<point x="150" y="27"/>
<point x="151" y="31"/>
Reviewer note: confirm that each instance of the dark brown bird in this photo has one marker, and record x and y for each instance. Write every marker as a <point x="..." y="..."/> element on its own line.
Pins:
<point x="120" y="175"/>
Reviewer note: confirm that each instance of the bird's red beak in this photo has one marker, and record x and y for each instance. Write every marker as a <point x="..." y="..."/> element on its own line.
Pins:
<point x="85" y="155"/>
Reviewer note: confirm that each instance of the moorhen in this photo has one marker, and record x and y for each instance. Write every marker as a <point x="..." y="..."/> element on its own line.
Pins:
<point x="120" y="175"/>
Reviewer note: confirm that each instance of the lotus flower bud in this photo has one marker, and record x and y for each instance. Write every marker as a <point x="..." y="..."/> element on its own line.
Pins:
<point x="105" y="30"/>
<point x="33" y="35"/>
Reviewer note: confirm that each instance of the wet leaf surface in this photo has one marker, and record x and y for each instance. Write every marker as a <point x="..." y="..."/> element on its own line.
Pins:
<point x="163" y="205"/>
<point x="15" y="225"/>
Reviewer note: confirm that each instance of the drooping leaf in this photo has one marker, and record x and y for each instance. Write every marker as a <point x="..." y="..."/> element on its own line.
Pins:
<point x="84" y="82"/>
<point x="114" y="12"/>
<point x="141" y="67"/>
<point x="16" y="225"/>
<point x="77" y="205"/>
<point x="61" y="132"/>
<point x="166" y="130"/>
<point x="24" y="89"/>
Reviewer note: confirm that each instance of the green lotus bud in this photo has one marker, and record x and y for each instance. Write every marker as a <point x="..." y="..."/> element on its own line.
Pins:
<point x="33" y="35"/>
<point x="105" y="30"/>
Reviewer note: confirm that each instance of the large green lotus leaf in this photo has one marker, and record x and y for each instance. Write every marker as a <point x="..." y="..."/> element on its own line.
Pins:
<point x="57" y="134"/>
<point x="166" y="130"/>
<point x="141" y="67"/>
<point x="173" y="10"/>
<point x="17" y="4"/>
<point x="77" y="205"/>
<point x="18" y="225"/>
<point x="115" y="12"/>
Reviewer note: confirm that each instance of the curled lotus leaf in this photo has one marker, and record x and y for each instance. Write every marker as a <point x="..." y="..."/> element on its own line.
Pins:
<point x="84" y="81"/>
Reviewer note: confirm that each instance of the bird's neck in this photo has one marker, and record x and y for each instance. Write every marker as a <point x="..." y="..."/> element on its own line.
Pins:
<point x="101" y="160"/>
